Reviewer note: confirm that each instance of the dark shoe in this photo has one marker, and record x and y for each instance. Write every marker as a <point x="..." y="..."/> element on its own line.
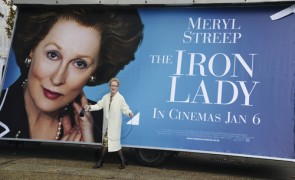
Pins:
<point x="122" y="159"/>
<point x="123" y="165"/>
<point x="100" y="161"/>
<point x="98" y="165"/>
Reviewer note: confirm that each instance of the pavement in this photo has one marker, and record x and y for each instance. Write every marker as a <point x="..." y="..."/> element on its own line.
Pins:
<point x="63" y="161"/>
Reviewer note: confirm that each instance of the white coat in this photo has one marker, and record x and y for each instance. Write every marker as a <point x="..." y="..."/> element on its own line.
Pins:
<point x="112" y="118"/>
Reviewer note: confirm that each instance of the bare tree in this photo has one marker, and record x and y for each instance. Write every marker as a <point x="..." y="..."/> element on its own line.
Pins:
<point x="10" y="18"/>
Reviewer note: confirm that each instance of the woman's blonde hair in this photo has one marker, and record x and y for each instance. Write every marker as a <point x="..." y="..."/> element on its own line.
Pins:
<point x="114" y="79"/>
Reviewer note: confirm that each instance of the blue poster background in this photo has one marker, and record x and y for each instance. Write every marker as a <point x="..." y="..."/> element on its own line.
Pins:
<point x="264" y="127"/>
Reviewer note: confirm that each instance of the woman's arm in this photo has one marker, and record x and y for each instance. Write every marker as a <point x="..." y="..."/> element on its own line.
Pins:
<point x="125" y="108"/>
<point x="95" y="107"/>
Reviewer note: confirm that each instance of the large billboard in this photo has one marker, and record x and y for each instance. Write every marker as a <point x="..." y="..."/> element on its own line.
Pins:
<point x="204" y="79"/>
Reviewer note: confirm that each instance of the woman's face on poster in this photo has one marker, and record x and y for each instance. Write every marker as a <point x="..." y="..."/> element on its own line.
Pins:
<point x="62" y="64"/>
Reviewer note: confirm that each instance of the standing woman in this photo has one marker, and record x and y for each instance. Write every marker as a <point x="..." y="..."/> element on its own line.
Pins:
<point x="113" y="105"/>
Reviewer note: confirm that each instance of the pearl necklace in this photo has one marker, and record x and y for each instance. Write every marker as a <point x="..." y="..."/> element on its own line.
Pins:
<point x="58" y="132"/>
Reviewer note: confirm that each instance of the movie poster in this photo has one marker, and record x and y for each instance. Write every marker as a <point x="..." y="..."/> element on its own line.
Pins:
<point x="210" y="79"/>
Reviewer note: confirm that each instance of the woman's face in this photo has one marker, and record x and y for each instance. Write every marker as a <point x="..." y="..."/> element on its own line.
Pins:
<point x="62" y="64"/>
<point x="114" y="87"/>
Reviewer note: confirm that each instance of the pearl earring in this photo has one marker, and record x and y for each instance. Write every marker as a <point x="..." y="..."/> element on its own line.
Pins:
<point x="24" y="83"/>
<point x="92" y="79"/>
<point x="28" y="61"/>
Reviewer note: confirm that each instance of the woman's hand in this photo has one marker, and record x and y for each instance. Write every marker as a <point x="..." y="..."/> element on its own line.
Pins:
<point x="83" y="129"/>
<point x="70" y="133"/>
<point x="87" y="107"/>
<point x="84" y="123"/>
